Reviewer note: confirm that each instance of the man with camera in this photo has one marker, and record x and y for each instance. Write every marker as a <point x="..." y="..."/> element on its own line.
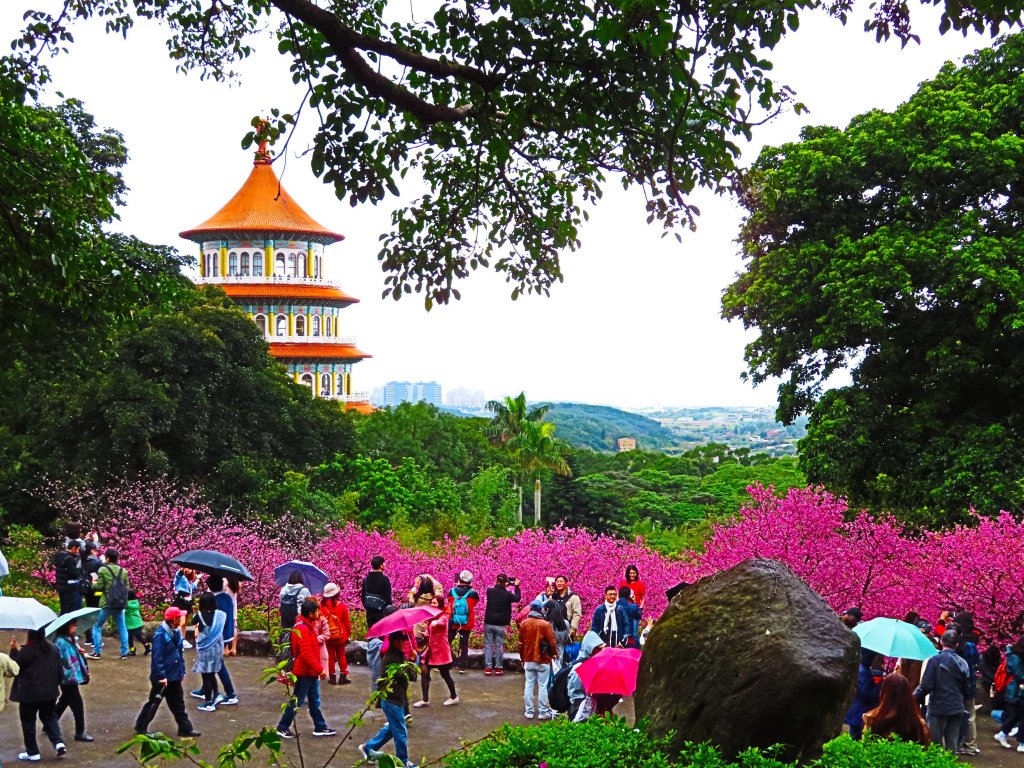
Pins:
<point x="497" y="617"/>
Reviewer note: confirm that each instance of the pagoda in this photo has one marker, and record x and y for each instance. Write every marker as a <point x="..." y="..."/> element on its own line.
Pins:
<point x="267" y="254"/>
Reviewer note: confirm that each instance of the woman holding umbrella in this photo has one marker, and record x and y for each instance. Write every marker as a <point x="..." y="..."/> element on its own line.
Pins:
<point x="74" y="672"/>
<point x="36" y="688"/>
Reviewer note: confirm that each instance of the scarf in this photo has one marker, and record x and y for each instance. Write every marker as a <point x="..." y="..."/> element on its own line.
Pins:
<point x="611" y="626"/>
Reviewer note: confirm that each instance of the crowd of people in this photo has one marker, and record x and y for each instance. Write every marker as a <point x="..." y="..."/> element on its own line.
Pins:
<point x="936" y="700"/>
<point x="930" y="701"/>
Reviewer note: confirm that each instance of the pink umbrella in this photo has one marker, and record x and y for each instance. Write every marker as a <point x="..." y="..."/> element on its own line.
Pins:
<point x="403" y="619"/>
<point x="611" y="670"/>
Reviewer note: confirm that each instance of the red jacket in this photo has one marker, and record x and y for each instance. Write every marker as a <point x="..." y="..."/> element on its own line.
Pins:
<point x="306" y="649"/>
<point x="472" y="598"/>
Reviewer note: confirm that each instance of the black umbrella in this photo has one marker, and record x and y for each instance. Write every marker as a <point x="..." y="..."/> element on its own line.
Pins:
<point x="214" y="563"/>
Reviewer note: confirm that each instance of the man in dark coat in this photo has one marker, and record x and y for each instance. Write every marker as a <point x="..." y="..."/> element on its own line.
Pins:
<point x="166" y="671"/>
<point x="67" y="566"/>
<point x="375" y="595"/>
<point x="497" y="617"/>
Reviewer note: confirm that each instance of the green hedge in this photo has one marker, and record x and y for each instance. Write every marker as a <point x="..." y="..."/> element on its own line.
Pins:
<point x="612" y="743"/>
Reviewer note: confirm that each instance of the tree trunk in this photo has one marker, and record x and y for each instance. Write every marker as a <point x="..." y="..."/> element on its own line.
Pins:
<point x="519" y="515"/>
<point x="536" y="501"/>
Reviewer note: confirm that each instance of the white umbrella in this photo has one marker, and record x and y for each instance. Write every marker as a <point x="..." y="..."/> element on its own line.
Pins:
<point x="24" y="613"/>
<point x="5" y="570"/>
<point x="86" y="618"/>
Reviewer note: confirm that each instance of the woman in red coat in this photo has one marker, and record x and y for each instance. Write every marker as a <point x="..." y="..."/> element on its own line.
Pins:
<point x="336" y="614"/>
<point x="437" y="655"/>
<point x="637" y="587"/>
<point x="307" y="670"/>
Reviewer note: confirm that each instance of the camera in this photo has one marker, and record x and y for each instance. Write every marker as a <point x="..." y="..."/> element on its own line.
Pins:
<point x="513" y="580"/>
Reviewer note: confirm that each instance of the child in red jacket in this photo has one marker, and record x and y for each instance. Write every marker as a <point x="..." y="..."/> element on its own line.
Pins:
<point x="307" y="670"/>
<point x="336" y="614"/>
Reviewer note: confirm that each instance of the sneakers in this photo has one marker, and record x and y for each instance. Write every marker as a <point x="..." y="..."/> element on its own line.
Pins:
<point x="197" y="694"/>
<point x="408" y="719"/>
<point x="219" y="699"/>
<point x="1020" y="747"/>
<point x="61" y="749"/>
<point x="131" y="652"/>
<point x="149" y="649"/>
<point x="230" y="701"/>
<point x="549" y="715"/>
<point x="88" y="656"/>
<point x="325" y="732"/>
<point x="84" y="737"/>
<point x="1001" y="738"/>
<point x="343" y="680"/>
<point x="488" y="671"/>
<point x="1013" y="731"/>
<point x="125" y="656"/>
<point x="193" y="734"/>
<point x="499" y="672"/>
<point x="452" y="702"/>
<point x="528" y="715"/>
<point x="27" y="756"/>
<point x="286" y="733"/>
<point x="368" y="754"/>
<point x="419" y="704"/>
<point x="186" y="645"/>
<point x="209" y="706"/>
<point x="462" y="671"/>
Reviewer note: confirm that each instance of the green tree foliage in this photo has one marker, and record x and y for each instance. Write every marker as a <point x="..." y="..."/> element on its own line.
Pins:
<point x="893" y="249"/>
<point x="515" y="114"/>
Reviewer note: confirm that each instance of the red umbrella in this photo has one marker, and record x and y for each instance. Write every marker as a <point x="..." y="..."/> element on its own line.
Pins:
<point x="611" y="670"/>
<point x="403" y="619"/>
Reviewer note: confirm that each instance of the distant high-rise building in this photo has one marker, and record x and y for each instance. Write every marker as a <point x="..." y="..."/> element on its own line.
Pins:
<point x="377" y="396"/>
<point x="396" y="392"/>
<point x="460" y="397"/>
<point x="427" y="392"/>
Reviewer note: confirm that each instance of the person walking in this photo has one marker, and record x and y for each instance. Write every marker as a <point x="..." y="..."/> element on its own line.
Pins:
<point x="225" y="604"/>
<point x="74" y="673"/>
<point x="112" y="584"/>
<point x="36" y="689"/>
<point x="1013" y="697"/>
<point x="307" y="670"/>
<point x="437" y="655"/>
<point x="133" y="622"/>
<point x="536" y="648"/>
<point x="571" y="602"/>
<point x="610" y="620"/>
<point x="67" y="567"/>
<point x="340" y="625"/>
<point x="394" y="703"/>
<point x="375" y="595"/>
<point x="233" y="588"/>
<point x="497" y="618"/>
<point x="166" y="671"/>
<point x="946" y="683"/>
<point x="462" y="600"/>
<point x="209" y="622"/>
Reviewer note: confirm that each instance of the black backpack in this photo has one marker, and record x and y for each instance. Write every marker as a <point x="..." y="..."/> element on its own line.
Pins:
<point x="117" y="591"/>
<point x="558" y="693"/>
<point x="289" y="610"/>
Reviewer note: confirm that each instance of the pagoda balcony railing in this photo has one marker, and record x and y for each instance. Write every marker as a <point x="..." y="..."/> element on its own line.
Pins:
<point x="295" y="339"/>
<point x="355" y="397"/>
<point x="261" y="279"/>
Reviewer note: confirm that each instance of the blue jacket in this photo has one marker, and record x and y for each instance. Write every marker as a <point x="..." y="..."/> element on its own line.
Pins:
<point x="969" y="653"/>
<point x="1014" y="692"/>
<point x="864" y="700"/>
<point x="948" y="681"/>
<point x="621" y="624"/>
<point x="167" y="661"/>
<point x="633" y="614"/>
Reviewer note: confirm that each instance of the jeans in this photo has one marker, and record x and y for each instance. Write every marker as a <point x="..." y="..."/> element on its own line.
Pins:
<point x="463" y="634"/>
<point x="395" y="729"/>
<point x="373" y="646"/>
<point x="175" y="698"/>
<point x="71" y="698"/>
<point x="70" y="599"/>
<point x="97" y="631"/>
<point x="1011" y="718"/>
<point x="47" y="712"/>
<point x="494" y="646"/>
<point x="945" y="729"/>
<point x="225" y="680"/>
<point x="307" y="689"/>
<point x="536" y="673"/>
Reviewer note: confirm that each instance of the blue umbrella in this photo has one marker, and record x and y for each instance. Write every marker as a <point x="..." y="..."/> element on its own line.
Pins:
<point x="24" y="613"/>
<point x="314" y="579"/>
<point x="85" y="617"/>
<point x="894" y="638"/>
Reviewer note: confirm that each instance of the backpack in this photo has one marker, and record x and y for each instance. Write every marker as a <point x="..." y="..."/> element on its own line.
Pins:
<point x="334" y="622"/>
<point x="117" y="591"/>
<point x="1002" y="678"/>
<point x="558" y="693"/>
<point x="289" y="610"/>
<point x="460" y="608"/>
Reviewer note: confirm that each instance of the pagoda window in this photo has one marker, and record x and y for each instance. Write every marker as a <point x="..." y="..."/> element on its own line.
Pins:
<point x="282" y="326"/>
<point x="302" y="265"/>
<point x="257" y="264"/>
<point x="261" y="323"/>
<point x="316" y="325"/>
<point x="307" y="379"/>
<point x="341" y="383"/>
<point x="300" y="325"/>
<point x="244" y="268"/>
<point x="233" y="264"/>
<point x="328" y="330"/>
<point x="293" y="268"/>
<point x="279" y="265"/>
<point x="317" y="267"/>
<point x="325" y="385"/>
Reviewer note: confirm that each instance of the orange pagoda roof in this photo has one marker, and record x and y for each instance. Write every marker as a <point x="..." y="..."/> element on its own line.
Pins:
<point x="360" y="407"/>
<point x="286" y="291"/>
<point x="261" y="207"/>
<point x="303" y="350"/>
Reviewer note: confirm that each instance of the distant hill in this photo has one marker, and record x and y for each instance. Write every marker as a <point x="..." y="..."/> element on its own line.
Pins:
<point x="599" y="427"/>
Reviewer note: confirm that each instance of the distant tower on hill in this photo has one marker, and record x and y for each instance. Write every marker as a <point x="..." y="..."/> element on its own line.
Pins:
<point x="268" y="255"/>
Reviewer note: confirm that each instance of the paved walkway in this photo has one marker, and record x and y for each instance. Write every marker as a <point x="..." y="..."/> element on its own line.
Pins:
<point x="119" y="688"/>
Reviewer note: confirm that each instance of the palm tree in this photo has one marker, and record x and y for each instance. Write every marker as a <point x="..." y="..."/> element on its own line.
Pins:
<point x="535" y="449"/>
<point x="510" y="415"/>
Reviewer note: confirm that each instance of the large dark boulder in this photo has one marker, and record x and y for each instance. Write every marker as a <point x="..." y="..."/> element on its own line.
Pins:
<point x="748" y="657"/>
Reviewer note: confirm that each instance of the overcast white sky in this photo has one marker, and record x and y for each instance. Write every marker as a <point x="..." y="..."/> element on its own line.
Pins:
<point x="636" y="322"/>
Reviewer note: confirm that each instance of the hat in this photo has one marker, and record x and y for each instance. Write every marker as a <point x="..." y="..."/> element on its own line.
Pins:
<point x="466" y="577"/>
<point x="537" y="605"/>
<point x="331" y="589"/>
<point x="855" y="612"/>
<point x="172" y="613"/>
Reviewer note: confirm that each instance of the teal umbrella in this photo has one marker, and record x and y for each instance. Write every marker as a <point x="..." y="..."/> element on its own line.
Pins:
<point x="85" y="617"/>
<point x="894" y="638"/>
